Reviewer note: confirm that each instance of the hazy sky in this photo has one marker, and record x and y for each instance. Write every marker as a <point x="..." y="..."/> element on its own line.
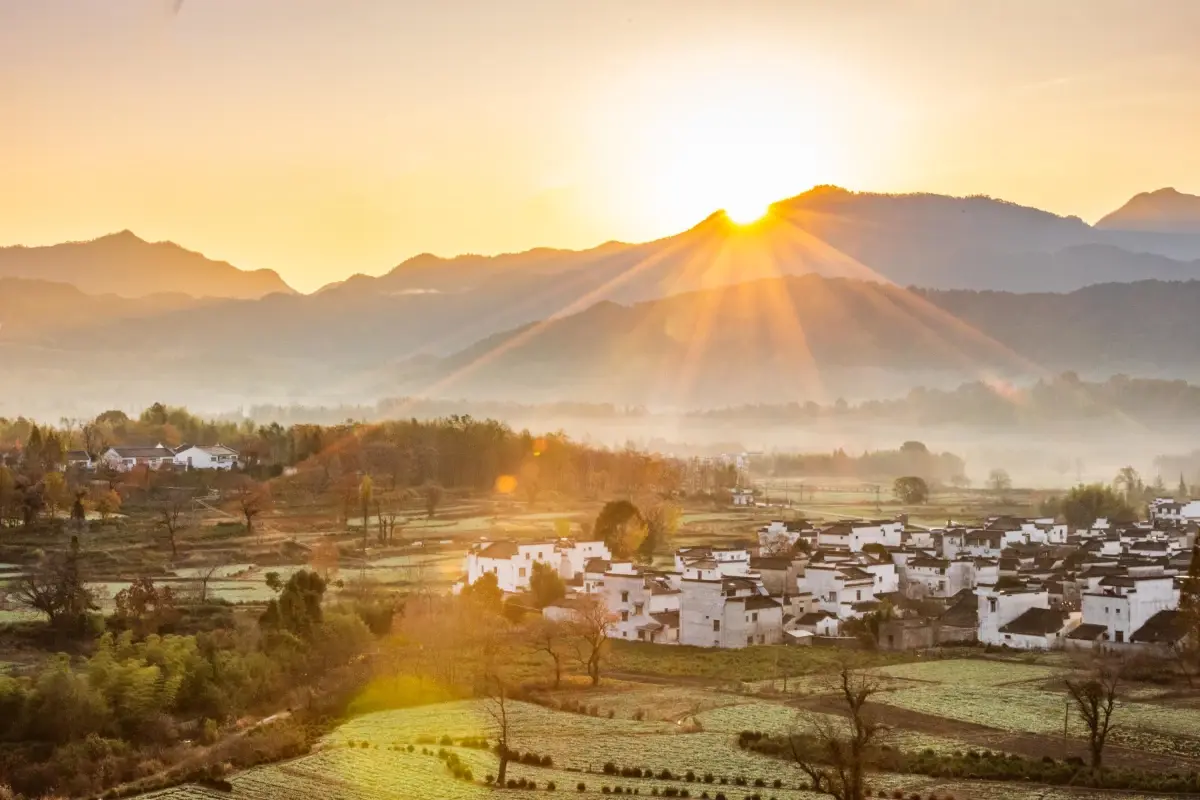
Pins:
<point x="325" y="137"/>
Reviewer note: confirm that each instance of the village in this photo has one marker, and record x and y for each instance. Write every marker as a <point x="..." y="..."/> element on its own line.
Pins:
<point x="1023" y="584"/>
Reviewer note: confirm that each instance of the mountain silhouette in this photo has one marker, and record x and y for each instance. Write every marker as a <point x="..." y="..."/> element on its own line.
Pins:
<point x="1162" y="211"/>
<point x="125" y="265"/>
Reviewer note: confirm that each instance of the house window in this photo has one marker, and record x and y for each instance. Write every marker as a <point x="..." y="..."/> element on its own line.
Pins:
<point x="1120" y="636"/>
<point x="624" y="597"/>
<point x="637" y="607"/>
<point x="521" y="572"/>
<point x="716" y="625"/>
<point x="749" y="640"/>
<point x="762" y="639"/>
<point x="642" y="635"/>
<point x="754" y="617"/>
<point x="992" y="605"/>
<point x="624" y="616"/>
<point x="858" y="594"/>
<point x="527" y="556"/>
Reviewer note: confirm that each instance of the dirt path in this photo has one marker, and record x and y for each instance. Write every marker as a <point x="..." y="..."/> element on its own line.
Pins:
<point x="1029" y="745"/>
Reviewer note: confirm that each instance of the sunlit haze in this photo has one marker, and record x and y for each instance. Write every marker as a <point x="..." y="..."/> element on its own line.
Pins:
<point x="321" y="139"/>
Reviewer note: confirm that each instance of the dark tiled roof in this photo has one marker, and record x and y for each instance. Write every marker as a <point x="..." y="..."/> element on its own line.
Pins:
<point x="964" y="613"/>
<point x="1088" y="632"/>
<point x="760" y="601"/>
<point x="1165" y="627"/>
<point x="499" y="550"/>
<point x="143" y="452"/>
<point x="813" y="617"/>
<point x="770" y="562"/>
<point x="1036" y="622"/>
<point x="596" y="565"/>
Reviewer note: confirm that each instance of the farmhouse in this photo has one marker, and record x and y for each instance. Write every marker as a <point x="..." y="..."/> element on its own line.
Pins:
<point x="512" y="562"/>
<point x="1123" y="604"/>
<point x="727" y="612"/>
<point x="125" y="458"/>
<point x="206" y="457"/>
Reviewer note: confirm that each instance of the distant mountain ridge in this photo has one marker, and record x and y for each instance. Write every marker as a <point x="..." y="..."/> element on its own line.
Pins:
<point x="1162" y="211"/>
<point x="911" y="239"/>
<point x="124" y="264"/>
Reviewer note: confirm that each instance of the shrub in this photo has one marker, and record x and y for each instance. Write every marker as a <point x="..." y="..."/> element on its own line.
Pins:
<point x="605" y="790"/>
<point x="547" y="761"/>
<point x="610" y="768"/>
<point x="665" y="775"/>
<point x="411" y="748"/>
<point x="740" y="781"/>
<point x="639" y="715"/>
<point x="724" y="780"/>
<point x="778" y="784"/>
<point x="445" y="740"/>
<point x="690" y="777"/>
<point x="719" y="796"/>
<point x="708" y="777"/>
<point x="611" y="713"/>
<point x="759" y="782"/>
<point x="512" y="783"/>
<point x="684" y="793"/>
<point x="489" y="778"/>
<point x="897" y="795"/>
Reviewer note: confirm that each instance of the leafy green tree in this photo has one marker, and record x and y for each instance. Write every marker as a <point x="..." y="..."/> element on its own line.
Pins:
<point x="298" y="608"/>
<point x="1129" y="483"/>
<point x="999" y="481"/>
<point x="1083" y="505"/>
<point x="484" y="594"/>
<point x="622" y="528"/>
<point x="910" y="490"/>
<point x="546" y="585"/>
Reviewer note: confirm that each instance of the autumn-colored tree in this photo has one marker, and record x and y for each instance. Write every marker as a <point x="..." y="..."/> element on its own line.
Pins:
<point x="546" y="585"/>
<point x="622" y="528"/>
<point x="251" y="499"/>
<point x="54" y="492"/>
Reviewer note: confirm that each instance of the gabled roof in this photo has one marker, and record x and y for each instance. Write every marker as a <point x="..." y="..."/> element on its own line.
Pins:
<point x="500" y="550"/>
<point x="125" y="451"/>
<point x="964" y="613"/>
<point x="597" y="565"/>
<point x="1036" y="622"/>
<point x="1088" y="632"/>
<point x="1165" y="627"/>
<point x="813" y="617"/>
<point x="759" y="601"/>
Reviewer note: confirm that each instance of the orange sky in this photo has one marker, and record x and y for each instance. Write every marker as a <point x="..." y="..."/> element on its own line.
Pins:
<point x="325" y="137"/>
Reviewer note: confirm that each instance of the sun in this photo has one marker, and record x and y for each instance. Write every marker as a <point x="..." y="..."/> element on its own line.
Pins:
<point x="746" y="212"/>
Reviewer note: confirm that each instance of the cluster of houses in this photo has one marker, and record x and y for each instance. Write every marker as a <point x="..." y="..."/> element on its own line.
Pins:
<point x="186" y="456"/>
<point x="1019" y="583"/>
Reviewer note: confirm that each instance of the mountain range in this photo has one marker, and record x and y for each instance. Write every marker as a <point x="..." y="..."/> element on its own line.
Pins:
<point x="806" y="303"/>
<point x="123" y="264"/>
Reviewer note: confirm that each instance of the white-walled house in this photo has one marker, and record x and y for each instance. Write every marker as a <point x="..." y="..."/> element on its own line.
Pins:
<point x="576" y="555"/>
<point x="1174" y="512"/>
<point x="1123" y="604"/>
<point x="206" y="457"/>
<point x="510" y="562"/>
<point x="727" y="612"/>
<point x="729" y="560"/>
<point x="646" y="606"/>
<point x="854" y="535"/>
<point x="938" y="577"/>
<point x="838" y="588"/>
<point x="998" y="607"/>
<point x="125" y="458"/>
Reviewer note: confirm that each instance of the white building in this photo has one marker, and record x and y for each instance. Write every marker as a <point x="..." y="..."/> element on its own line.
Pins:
<point x="729" y="560"/>
<point x="512" y="562"/>
<point x="125" y="458"/>
<point x="205" y="457"/>
<point x="647" y="606"/>
<point x="853" y="536"/>
<point x="938" y="577"/>
<point x="1123" y="604"/>
<point x="1022" y="619"/>
<point x="840" y="589"/>
<point x="727" y="612"/>
<point x="1175" y="512"/>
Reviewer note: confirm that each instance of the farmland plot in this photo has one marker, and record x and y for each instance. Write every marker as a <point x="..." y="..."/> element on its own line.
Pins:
<point x="970" y="672"/>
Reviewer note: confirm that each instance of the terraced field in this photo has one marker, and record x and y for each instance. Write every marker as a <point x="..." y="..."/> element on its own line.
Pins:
<point x="379" y="765"/>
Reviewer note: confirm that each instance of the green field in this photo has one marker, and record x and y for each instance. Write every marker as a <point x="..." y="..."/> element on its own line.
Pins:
<point x="368" y="758"/>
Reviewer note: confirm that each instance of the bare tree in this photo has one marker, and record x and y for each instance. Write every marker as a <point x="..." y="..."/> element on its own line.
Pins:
<point x="590" y="624"/>
<point x="836" y="760"/>
<point x="1095" y="698"/>
<point x="497" y="707"/>
<point x="204" y="574"/>
<point x="171" y="517"/>
<point x="251" y="499"/>
<point x="550" y="637"/>
<point x="57" y="588"/>
<point x="387" y="522"/>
